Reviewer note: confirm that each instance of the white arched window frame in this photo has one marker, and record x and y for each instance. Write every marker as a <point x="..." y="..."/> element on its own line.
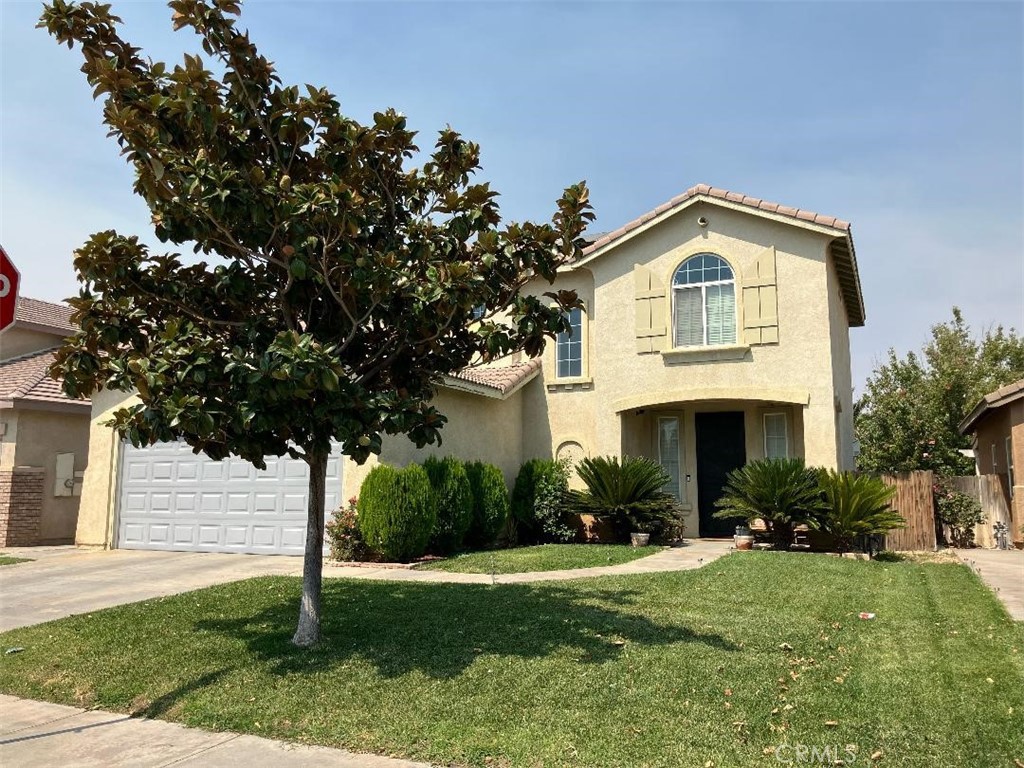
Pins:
<point x="703" y="302"/>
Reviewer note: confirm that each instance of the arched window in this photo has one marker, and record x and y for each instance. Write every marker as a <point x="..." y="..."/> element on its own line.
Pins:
<point x="704" y="302"/>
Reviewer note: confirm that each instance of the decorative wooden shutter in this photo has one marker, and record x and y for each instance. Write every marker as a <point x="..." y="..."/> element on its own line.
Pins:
<point x="761" y="302"/>
<point x="651" y="311"/>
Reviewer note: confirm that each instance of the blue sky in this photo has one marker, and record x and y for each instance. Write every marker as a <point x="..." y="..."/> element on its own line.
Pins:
<point x="905" y="118"/>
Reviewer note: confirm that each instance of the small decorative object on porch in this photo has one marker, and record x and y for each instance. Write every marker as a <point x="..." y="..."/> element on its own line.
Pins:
<point x="743" y="539"/>
<point x="640" y="539"/>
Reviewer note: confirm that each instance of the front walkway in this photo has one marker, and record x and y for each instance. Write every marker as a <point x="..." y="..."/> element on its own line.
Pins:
<point x="37" y="733"/>
<point x="63" y="581"/>
<point x="1003" y="571"/>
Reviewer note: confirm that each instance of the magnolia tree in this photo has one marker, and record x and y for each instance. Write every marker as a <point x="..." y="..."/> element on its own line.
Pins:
<point x="340" y="284"/>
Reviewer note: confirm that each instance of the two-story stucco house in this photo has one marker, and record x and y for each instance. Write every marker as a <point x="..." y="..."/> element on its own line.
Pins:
<point x="715" y="330"/>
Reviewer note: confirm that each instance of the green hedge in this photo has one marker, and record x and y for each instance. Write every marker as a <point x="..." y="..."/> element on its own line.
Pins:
<point x="539" y="502"/>
<point x="454" y="501"/>
<point x="490" y="503"/>
<point x="397" y="511"/>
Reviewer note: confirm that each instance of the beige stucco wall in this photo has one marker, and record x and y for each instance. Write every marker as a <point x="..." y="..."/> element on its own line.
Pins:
<point x="8" y="437"/>
<point x="799" y="369"/>
<point x="479" y="428"/>
<point x="41" y="436"/>
<point x="17" y="341"/>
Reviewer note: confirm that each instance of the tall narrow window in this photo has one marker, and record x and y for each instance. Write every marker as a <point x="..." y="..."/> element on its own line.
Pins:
<point x="668" y="455"/>
<point x="776" y="437"/>
<point x="704" y="302"/>
<point x="569" y="347"/>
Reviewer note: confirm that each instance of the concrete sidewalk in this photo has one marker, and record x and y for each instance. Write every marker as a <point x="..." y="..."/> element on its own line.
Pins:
<point x="1003" y="571"/>
<point x="36" y="733"/>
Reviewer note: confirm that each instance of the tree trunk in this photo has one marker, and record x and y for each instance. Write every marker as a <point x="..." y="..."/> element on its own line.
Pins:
<point x="308" y="632"/>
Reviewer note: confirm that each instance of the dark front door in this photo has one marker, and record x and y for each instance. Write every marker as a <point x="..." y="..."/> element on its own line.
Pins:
<point x="721" y="448"/>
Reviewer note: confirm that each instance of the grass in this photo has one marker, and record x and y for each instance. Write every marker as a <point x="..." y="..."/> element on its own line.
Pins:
<point x="713" y="666"/>
<point x="11" y="560"/>
<point x="544" y="557"/>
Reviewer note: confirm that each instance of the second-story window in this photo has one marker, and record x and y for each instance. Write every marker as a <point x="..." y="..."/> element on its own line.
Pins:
<point x="704" y="302"/>
<point x="569" y="347"/>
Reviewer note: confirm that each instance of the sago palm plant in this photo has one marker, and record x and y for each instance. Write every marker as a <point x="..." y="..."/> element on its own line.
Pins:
<point x="856" y="505"/>
<point x="628" y="493"/>
<point x="781" y="492"/>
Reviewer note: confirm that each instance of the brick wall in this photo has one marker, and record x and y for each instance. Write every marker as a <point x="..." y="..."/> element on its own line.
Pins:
<point x="21" y="504"/>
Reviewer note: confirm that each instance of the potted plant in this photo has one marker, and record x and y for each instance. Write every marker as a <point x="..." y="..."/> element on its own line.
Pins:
<point x="743" y="539"/>
<point x="629" y="494"/>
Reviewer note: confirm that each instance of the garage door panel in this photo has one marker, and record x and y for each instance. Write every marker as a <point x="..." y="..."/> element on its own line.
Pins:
<point x="171" y="498"/>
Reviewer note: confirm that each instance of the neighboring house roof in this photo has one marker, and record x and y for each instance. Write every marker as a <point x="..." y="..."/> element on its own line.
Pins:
<point x="44" y="315"/>
<point x="842" y="247"/>
<point x="24" y="382"/>
<point x="1002" y="396"/>
<point x="497" y="381"/>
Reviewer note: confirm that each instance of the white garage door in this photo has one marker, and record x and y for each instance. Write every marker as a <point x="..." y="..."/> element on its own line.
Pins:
<point x="172" y="499"/>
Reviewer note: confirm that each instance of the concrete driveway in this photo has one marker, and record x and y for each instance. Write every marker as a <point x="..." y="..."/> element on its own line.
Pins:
<point x="1003" y="571"/>
<point x="62" y="581"/>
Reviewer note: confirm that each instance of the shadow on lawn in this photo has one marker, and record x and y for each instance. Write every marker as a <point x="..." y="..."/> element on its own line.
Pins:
<point x="440" y="630"/>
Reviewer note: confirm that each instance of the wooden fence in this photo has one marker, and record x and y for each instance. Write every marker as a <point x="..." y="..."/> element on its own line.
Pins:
<point x="990" y="492"/>
<point x="913" y="500"/>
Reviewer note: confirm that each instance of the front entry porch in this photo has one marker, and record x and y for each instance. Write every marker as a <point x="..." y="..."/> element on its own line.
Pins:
<point x="700" y="443"/>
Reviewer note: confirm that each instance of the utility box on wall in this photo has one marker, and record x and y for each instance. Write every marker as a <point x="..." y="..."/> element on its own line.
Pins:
<point x="66" y="481"/>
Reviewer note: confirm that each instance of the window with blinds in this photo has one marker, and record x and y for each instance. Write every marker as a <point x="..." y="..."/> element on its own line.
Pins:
<point x="704" y="302"/>
<point x="776" y="436"/>
<point x="569" y="347"/>
<point x="668" y="455"/>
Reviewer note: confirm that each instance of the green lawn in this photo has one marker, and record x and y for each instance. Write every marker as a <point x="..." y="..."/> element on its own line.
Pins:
<point x="545" y="557"/>
<point x="713" y="666"/>
<point x="11" y="560"/>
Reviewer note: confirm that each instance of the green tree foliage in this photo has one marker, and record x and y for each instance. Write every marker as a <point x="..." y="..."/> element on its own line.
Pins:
<point x="539" y="502"/>
<point x="909" y="414"/>
<point x="781" y="492"/>
<point x="454" y="498"/>
<point x="490" y="503"/>
<point x="338" y="282"/>
<point x="856" y="505"/>
<point x="958" y="512"/>
<point x="629" y="493"/>
<point x="397" y="511"/>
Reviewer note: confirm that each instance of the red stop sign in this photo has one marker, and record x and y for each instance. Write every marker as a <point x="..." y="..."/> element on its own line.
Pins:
<point x="8" y="289"/>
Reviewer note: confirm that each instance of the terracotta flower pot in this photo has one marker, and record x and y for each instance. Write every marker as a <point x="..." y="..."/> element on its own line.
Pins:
<point x="745" y="542"/>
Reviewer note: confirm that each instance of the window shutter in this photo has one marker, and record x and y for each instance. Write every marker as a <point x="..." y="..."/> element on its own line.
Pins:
<point x="761" y="302"/>
<point x="651" y="310"/>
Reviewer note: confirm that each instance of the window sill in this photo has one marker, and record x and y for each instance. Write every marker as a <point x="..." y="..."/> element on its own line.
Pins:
<point x="570" y="384"/>
<point x="706" y="354"/>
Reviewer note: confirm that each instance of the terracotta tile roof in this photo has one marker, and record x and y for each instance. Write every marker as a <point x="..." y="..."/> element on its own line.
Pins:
<point x="991" y="401"/>
<point x="503" y="379"/>
<point x="24" y="378"/>
<point x="37" y="312"/>
<point x="842" y="250"/>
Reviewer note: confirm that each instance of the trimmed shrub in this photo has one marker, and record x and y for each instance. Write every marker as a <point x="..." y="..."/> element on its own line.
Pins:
<point x="958" y="512"/>
<point x="627" y="493"/>
<point x="539" y="502"/>
<point x="343" y="534"/>
<point x="490" y="503"/>
<point x="454" y="500"/>
<point x="781" y="492"/>
<point x="855" y="506"/>
<point x="397" y="511"/>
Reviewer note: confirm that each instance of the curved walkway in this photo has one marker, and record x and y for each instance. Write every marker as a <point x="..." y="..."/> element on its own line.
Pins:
<point x="693" y="554"/>
<point x="62" y="581"/>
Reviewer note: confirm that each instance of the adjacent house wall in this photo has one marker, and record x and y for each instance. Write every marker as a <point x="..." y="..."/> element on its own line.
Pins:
<point x="990" y="437"/>
<point x="41" y="436"/>
<point x="16" y="341"/>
